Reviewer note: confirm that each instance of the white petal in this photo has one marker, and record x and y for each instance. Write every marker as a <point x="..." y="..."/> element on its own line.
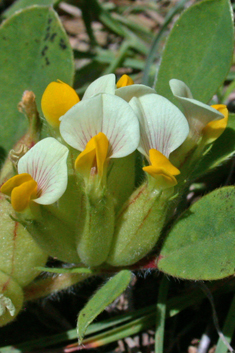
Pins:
<point x="198" y="114"/>
<point x="128" y="92"/>
<point x="180" y="89"/>
<point x="46" y="163"/>
<point x="103" y="84"/>
<point x="162" y="125"/>
<point x="102" y="113"/>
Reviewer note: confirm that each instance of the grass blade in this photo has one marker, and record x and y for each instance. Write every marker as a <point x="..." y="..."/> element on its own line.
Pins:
<point x="161" y="315"/>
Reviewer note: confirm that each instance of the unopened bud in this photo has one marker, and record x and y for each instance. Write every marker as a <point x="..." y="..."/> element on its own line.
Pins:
<point x="15" y="156"/>
<point x="28" y="107"/>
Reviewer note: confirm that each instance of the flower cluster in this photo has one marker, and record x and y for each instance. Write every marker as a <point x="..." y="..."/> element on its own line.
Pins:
<point x="111" y="122"/>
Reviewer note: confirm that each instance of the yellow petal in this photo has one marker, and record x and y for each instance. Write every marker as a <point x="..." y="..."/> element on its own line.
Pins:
<point x="124" y="81"/>
<point x="86" y="159"/>
<point x="94" y="156"/>
<point x="15" y="181"/>
<point x="163" y="180"/>
<point x="161" y="169"/>
<point x="57" y="99"/>
<point x="102" y="145"/>
<point x="158" y="160"/>
<point x="215" y="128"/>
<point x="21" y="195"/>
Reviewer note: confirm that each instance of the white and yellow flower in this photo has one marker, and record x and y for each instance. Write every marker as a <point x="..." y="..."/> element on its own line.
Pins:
<point x="163" y="128"/>
<point x="101" y="127"/>
<point x="42" y="176"/>
<point x="204" y="121"/>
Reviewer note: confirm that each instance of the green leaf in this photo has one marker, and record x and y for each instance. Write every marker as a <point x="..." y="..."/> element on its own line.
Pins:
<point x="34" y="51"/>
<point x="200" y="246"/>
<point x="102" y="298"/>
<point x="199" y="50"/>
<point x="22" y="4"/>
<point x="221" y="151"/>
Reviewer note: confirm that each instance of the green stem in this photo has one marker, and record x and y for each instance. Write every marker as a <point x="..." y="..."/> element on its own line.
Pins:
<point x="143" y="32"/>
<point x="119" y="58"/>
<point x="152" y="53"/>
<point x="82" y="270"/>
<point x="228" y="330"/>
<point x="87" y="18"/>
<point x="228" y="91"/>
<point x="115" y="26"/>
<point x="118" y="333"/>
<point x="161" y="315"/>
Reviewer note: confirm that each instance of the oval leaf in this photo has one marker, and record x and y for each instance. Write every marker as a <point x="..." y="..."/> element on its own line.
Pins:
<point x="34" y="51"/>
<point x="199" y="50"/>
<point x="22" y="4"/>
<point x="201" y="245"/>
<point x="102" y="298"/>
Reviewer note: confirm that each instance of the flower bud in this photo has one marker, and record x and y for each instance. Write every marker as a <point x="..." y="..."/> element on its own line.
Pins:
<point x="28" y="107"/>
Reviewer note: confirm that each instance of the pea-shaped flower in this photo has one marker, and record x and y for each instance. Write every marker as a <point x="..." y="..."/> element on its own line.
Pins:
<point x="202" y="118"/>
<point x="42" y="176"/>
<point x="59" y="97"/>
<point x="101" y="127"/>
<point x="122" y="175"/>
<point x="163" y="128"/>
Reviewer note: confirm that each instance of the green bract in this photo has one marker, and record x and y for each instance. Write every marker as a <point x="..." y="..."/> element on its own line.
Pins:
<point x="19" y="255"/>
